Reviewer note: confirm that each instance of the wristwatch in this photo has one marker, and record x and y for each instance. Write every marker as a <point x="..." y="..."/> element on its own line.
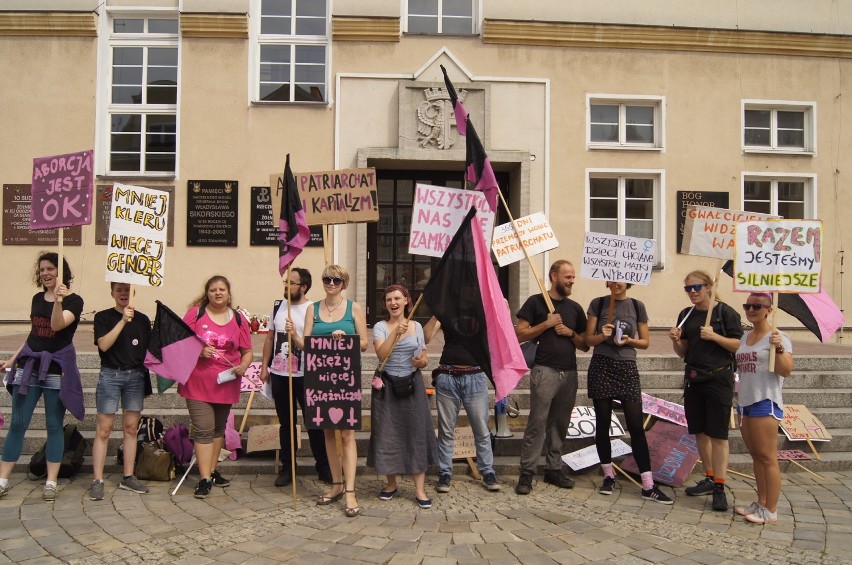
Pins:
<point x="779" y="350"/>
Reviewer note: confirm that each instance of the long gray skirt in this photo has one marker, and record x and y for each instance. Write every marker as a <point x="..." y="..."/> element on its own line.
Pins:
<point x="402" y="440"/>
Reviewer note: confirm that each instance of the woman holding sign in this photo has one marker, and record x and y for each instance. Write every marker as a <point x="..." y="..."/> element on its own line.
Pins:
<point x="214" y="384"/>
<point x="402" y="440"/>
<point x="55" y="313"/>
<point x="337" y="317"/>
<point x="614" y="375"/>
<point x="760" y="403"/>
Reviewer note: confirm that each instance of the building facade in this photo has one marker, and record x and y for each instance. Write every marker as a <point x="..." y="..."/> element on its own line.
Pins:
<point x="605" y="116"/>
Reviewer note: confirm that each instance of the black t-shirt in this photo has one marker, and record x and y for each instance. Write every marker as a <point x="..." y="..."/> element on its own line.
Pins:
<point x="455" y="352"/>
<point x="555" y="350"/>
<point x="130" y="345"/>
<point x="42" y="337"/>
<point x="705" y="354"/>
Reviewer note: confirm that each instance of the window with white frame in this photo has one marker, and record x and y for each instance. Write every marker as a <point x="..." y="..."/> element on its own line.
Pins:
<point x="783" y="127"/>
<point x="292" y="54"/>
<point x="615" y="122"/>
<point x="789" y="197"/>
<point x="444" y="17"/>
<point x="626" y="203"/>
<point x="143" y="85"/>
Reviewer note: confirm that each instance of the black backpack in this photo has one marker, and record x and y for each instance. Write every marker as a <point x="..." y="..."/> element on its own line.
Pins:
<point x="72" y="456"/>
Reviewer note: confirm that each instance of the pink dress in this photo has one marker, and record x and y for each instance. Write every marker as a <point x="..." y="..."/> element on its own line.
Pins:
<point x="228" y="339"/>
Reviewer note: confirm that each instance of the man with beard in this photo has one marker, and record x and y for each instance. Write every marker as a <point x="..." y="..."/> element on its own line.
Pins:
<point x="553" y="379"/>
<point x="285" y="366"/>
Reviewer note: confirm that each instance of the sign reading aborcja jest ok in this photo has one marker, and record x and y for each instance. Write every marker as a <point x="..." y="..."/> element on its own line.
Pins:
<point x="62" y="191"/>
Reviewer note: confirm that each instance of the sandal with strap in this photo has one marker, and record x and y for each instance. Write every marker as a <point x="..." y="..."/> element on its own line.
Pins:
<point x="352" y="512"/>
<point x="324" y="500"/>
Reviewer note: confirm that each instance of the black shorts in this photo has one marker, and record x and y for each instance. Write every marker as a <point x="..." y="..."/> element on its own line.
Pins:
<point x="708" y="406"/>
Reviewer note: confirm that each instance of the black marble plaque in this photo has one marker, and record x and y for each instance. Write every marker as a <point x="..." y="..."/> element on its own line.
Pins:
<point x="211" y="213"/>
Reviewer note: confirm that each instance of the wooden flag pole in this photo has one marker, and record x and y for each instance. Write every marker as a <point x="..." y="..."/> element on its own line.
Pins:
<point x="538" y="279"/>
<point x="813" y="449"/>
<point x="60" y="261"/>
<point x="130" y="302"/>
<point x="290" y="384"/>
<point x="772" y="349"/>
<point x="713" y="292"/>
<point x="803" y="468"/>
<point x="611" y="312"/>
<point x="626" y="475"/>
<point x="326" y="243"/>
<point x="246" y="412"/>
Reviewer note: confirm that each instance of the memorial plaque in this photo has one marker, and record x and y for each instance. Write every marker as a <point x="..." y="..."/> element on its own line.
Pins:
<point x="211" y="213"/>
<point x="316" y="236"/>
<point x="696" y="198"/>
<point x="16" y="221"/>
<point x="264" y="225"/>
<point x="103" y="202"/>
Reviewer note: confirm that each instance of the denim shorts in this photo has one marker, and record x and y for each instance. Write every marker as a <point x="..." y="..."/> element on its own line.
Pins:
<point x="113" y="384"/>
<point x="763" y="408"/>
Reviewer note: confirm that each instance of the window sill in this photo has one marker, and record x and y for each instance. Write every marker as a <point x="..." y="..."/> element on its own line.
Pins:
<point x="136" y="176"/>
<point x="769" y="151"/>
<point x="618" y="147"/>
<point x="286" y="103"/>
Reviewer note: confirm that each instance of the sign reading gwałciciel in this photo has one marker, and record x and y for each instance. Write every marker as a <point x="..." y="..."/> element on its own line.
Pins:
<point x="332" y="197"/>
<point x="709" y="232"/>
<point x="619" y="258"/>
<point x="62" y="191"/>
<point x="138" y="233"/>
<point x="536" y="235"/>
<point x="778" y="256"/>
<point x="438" y="212"/>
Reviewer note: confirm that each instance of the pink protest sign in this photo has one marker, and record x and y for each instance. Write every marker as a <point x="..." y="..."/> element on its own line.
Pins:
<point x="62" y="191"/>
<point x="674" y="453"/>
<point x="793" y="455"/>
<point x="251" y="379"/>
<point x="663" y="409"/>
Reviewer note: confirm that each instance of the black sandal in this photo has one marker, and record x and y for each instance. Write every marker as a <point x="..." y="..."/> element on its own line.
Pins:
<point x="351" y="512"/>
<point x="324" y="500"/>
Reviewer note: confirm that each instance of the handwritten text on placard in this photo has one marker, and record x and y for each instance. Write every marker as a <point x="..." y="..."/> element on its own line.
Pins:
<point x="438" y="212"/>
<point x="62" y="191"/>
<point x="619" y="258"/>
<point x="333" y="382"/>
<point x="536" y="236"/>
<point x="710" y="232"/>
<point x="136" y="249"/>
<point x="778" y="256"/>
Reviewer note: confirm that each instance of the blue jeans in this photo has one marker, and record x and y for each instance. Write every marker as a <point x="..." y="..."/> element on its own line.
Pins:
<point x="22" y="414"/>
<point x="471" y="391"/>
<point x="115" y="384"/>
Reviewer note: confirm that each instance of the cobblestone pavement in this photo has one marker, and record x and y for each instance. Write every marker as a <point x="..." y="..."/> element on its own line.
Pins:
<point x="254" y="522"/>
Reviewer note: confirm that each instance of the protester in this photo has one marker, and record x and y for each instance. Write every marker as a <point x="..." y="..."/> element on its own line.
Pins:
<point x="121" y="334"/>
<point x="336" y="316"/>
<point x="614" y="375"/>
<point x="402" y="439"/>
<point x="214" y="384"/>
<point x="286" y="368"/>
<point x="458" y="382"/>
<point x="760" y="403"/>
<point x="708" y="380"/>
<point x="553" y="379"/>
<point x="45" y="364"/>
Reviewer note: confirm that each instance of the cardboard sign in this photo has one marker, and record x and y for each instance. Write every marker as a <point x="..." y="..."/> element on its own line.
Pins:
<point x="663" y="409"/>
<point x="778" y="256"/>
<point x="620" y="258"/>
<point x="588" y="456"/>
<point x="536" y="234"/>
<point x="685" y="198"/>
<point x="138" y="233"/>
<point x="62" y="191"/>
<point x="793" y="455"/>
<point x="674" y="452"/>
<point x="267" y="438"/>
<point x="251" y="379"/>
<point x="800" y="425"/>
<point x="332" y="382"/>
<point x="437" y="214"/>
<point x="583" y="424"/>
<point x="710" y="232"/>
<point x="465" y="445"/>
<point x="332" y="197"/>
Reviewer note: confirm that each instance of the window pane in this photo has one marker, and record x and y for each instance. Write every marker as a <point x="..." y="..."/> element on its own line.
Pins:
<point x="791" y="120"/>
<point x="604" y="133"/>
<point x="405" y="193"/>
<point x="604" y="226"/>
<point x="758" y="137"/>
<point x="423" y="7"/>
<point x="126" y="94"/>
<point x="457" y="26"/>
<point x="131" y="142"/>
<point x="310" y="8"/>
<point x="162" y="76"/>
<point x="604" y="114"/>
<point x="403" y="221"/>
<point x="127" y="75"/>
<point x="757" y="189"/>
<point x="275" y="92"/>
<point x="124" y="161"/>
<point x="276" y="7"/>
<point x="310" y="26"/>
<point x="275" y="26"/>
<point x="640" y="134"/>
<point x="458" y="8"/>
<point x="791" y="138"/>
<point x="639" y="209"/>
<point x="639" y="188"/>
<point x="758" y="118"/>
<point x="422" y="24"/>
<point x="160" y="162"/>
<point x="123" y="123"/>
<point x="163" y="56"/>
<point x="385" y="187"/>
<point x="161" y="123"/>
<point x="274" y="72"/>
<point x="309" y="93"/>
<point x="162" y="95"/>
<point x="125" y="25"/>
<point x="310" y="54"/>
<point x="763" y="207"/>
<point x="603" y="208"/>
<point x="123" y="56"/>
<point x="384" y="248"/>
<point x="603" y="187"/>
<point x="275" y="53"/>
<point x="635" y="228"/>
<point x="788" y="190"/>
<point x="163" y="26"/>
<point x="792" y="210"/>
<point x="642" y="115"/>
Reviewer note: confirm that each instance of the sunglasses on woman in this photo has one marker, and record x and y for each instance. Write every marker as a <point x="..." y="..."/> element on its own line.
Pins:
<point x="748" y="307"/>
<point x="333" y="281"/>
<point x="693" y="288"/>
